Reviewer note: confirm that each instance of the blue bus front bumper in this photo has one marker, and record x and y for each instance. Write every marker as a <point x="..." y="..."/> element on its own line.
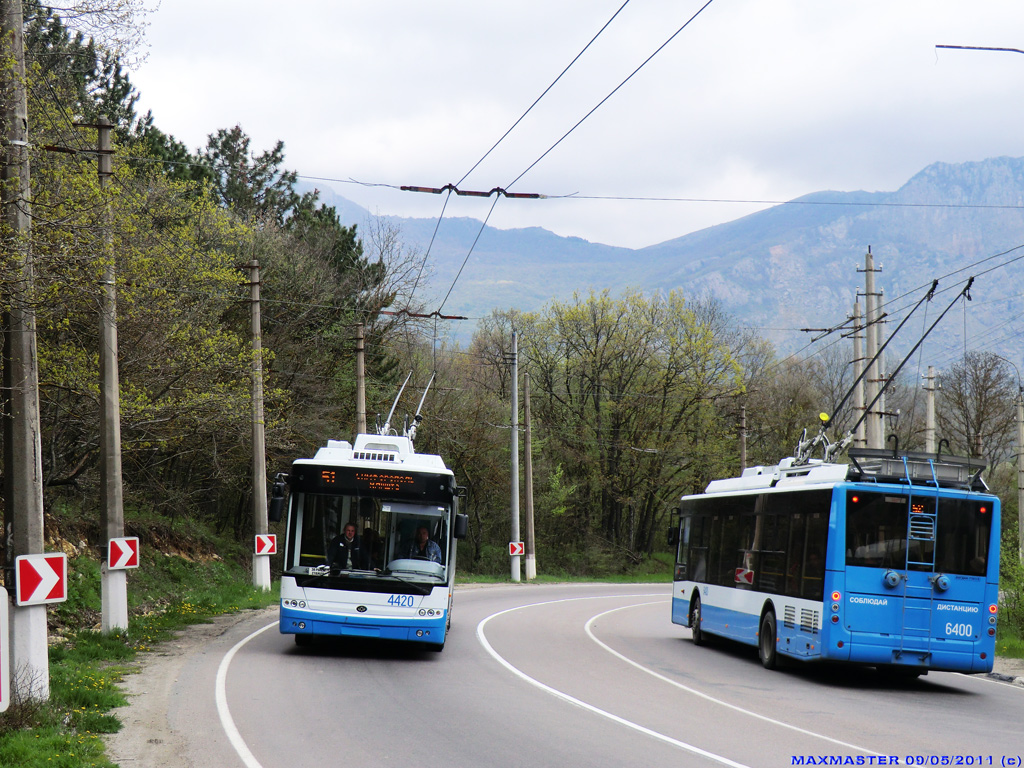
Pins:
<point x="295" y="621"/>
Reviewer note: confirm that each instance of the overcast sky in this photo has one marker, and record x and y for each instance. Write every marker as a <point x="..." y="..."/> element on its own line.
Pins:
<point x="756" y="100"/>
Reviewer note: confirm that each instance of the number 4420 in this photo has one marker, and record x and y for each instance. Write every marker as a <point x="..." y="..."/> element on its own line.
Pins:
<point x="401" y="601"/>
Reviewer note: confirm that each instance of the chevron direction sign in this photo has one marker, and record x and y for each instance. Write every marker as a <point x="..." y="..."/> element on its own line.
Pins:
<point x="266" y="544"/>
<point x="123" y="553"/>
<point x="41" y="579"/>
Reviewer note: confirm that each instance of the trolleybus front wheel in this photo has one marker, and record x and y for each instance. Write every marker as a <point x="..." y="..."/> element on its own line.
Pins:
<point x="766" y="642"/>
<point x="695" y="630"/>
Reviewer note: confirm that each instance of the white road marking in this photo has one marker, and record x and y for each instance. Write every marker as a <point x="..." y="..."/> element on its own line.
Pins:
<point x="588" y="628"/>
<point x="589" y="707"/>
<point x="221" y="698"/>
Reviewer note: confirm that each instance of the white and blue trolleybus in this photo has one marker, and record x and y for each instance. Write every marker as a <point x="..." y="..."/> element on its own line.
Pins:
<point x="891" y="560"/>
<point x="370" y="544"/>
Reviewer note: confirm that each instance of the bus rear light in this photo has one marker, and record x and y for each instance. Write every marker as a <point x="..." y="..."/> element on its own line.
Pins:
<point x="991" y="631"/>
<point x="835" y="618"/>
<point x="835" y="607"/>
<point x="835" y="596"/>
<point x="839" y="644"/>
<point x="993" y="608"/>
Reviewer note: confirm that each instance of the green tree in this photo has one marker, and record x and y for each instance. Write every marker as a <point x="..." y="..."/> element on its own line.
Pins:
<point x="628" y="391"/>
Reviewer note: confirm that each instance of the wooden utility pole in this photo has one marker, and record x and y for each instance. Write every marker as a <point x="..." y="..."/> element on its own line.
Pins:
<point x="23" y="465"/>
<point x="531" y="543"/>
<point x="260" y="563"/>
<point x="114" y="583"/>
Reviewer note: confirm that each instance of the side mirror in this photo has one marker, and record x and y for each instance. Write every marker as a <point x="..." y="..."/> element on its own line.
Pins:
<point x="275" y="510"/>
<point x="673" y="531"/>
<point x="461" y="526"/>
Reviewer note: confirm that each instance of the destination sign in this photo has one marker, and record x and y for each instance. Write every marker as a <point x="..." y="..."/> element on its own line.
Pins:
<point x="373" y="482"/>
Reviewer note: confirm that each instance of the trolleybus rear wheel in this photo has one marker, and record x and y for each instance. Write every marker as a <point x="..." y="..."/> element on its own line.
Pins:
<point x="695" y="630"/>
<point x="766" y="642"/>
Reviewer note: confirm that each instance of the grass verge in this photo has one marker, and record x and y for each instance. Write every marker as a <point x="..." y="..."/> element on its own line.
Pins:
<point x="166" y="594"/>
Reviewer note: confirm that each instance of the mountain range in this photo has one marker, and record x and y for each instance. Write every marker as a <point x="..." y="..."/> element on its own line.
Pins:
<point x="787" y="267"/>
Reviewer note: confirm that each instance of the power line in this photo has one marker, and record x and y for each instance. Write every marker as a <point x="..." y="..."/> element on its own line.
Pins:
<point x="545" y="93"/>
<point x="612" y="93"/>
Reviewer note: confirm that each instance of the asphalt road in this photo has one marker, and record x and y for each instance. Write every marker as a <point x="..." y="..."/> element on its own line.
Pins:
<point x="564" y="675"/>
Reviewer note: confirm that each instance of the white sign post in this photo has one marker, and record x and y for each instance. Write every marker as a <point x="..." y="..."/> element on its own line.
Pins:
<point x="5" y="652"/>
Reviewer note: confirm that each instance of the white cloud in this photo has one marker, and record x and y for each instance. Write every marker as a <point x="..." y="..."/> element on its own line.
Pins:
<point x="753" y="100"/>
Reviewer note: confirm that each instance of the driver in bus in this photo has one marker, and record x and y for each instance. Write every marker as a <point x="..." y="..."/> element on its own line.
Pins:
<point x="422" y="548"/>
<point x="345" y="551"/>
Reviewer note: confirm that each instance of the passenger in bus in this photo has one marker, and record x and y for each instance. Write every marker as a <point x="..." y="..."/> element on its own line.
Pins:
<point x="346" y="552"/>
<point x="423" y="548"/>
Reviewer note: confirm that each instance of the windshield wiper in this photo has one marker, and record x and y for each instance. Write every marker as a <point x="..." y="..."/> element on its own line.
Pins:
<point x="419" y="587"/>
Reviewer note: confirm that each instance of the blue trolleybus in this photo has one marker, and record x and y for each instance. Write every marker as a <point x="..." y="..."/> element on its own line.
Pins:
<point x="890" y="561"/>
<point x="370" y="545"/>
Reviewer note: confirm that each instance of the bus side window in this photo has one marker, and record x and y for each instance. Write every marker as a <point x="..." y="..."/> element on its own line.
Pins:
<point x="683" y="549"/>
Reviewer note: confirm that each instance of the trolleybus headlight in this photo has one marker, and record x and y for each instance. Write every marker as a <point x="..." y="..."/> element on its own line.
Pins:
<point x="422" y="612"/>
<point x="302" y="603"/>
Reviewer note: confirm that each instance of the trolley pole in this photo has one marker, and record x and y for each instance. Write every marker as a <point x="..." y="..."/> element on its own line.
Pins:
<point x="260" y="563"/>
<point x="23" y="463"/>
<point x="516" y="565"/>
<point x="113" y="582"/>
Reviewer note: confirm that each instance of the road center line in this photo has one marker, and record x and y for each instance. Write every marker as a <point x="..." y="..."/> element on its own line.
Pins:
<point x="589" y="707"/>
<point x="220" y="696"/>
<point x="588" y="628"/>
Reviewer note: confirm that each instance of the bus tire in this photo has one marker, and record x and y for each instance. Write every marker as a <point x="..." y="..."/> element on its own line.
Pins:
<point x="695" y="618"/>
<point x="766" y="648"/>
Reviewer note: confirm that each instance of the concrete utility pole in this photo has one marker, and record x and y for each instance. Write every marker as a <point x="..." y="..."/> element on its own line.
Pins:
<point x="873" y="422"/>
<point x="1020" y="472"/>
<point x="360" y="379"/>
<point x="260" y="563"/>
<point x="743" y="438"/>
<point x="929" y="412"/>
<point x="531" y="543"/>
<point x="23" y="465"/>
<point x="516" y="566"/>
<point x="859" y="439"/>
<point x="113" y="583"/>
